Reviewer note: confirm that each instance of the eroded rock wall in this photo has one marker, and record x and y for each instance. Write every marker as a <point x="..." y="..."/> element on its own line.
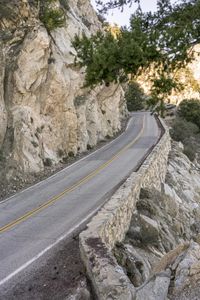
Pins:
<point x="45" y="114"/>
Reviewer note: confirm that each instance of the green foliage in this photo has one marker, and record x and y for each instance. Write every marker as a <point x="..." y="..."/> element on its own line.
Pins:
<point x="104" y="6"/>
<point x="135" y="97"/>
<point x="187" y="133"/>
<point x="190" y="110"/>
<point x="99" y="54"/>
<point x="71" y="154"/>
<point x="174" y="29"/>
<point x="182" y="130"/>
<point x="151" y="102"/>
<point x="163" y="85"/>
<point x="110" y="58"/>
<point x="164" y="39"/>
<point x="47" y="162"/>
<point x="190" y="151"/>
<point x="60" y="152"/>
<point x="53" y="17"/>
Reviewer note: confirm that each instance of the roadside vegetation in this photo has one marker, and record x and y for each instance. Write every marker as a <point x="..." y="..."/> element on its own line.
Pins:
<point x="135" y="97"/>
<point x="190" y="111"/>
<point x="186" y="127"/>
<point x="164" y="39"/>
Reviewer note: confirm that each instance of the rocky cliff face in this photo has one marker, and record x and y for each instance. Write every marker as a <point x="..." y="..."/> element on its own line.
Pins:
<point x="161" y="252"/>
<point x="45" y="114"/>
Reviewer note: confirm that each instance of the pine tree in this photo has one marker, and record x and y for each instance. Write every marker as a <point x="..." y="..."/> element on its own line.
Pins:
<point x="164" y="39"/>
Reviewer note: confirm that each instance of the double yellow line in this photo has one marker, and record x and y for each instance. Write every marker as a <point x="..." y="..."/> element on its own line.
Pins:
<point x="72" y="188"/>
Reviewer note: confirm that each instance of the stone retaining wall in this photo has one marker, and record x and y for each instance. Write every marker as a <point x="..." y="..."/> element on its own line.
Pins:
<point x="110" y="225"/>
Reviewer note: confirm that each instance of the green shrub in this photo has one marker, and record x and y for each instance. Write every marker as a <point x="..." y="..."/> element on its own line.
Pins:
<point x="135" y="97"/>
<point x="89" y="147"/>
<point x="52" y="17"/>
<point x="71" y="154"/>
<point x="47" y="162"/>
<point x="187" y="133"/>
<point x="182" y="130"/>
<point x="60" y="152"/>
<point x="190" y="110"/>
<point x="65" y="159"/>
<point x="190" y="151"/>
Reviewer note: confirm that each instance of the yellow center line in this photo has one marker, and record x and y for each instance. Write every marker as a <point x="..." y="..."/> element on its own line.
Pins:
<point x="72" y="188"/>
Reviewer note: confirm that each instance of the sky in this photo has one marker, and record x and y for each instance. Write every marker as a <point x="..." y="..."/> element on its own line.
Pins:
<point x="122" y="18"/>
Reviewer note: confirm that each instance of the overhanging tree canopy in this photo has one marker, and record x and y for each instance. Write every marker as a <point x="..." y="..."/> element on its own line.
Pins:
<point x="110" y="4"/>
<point x="165" y="38"/>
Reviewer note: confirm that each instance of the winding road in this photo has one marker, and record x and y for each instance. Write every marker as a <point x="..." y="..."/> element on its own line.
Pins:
<point x="33" y="221"/>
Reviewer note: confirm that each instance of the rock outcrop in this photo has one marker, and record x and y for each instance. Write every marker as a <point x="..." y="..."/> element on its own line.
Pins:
<point x="161" y="251"/>
<point x="45" y="114"/>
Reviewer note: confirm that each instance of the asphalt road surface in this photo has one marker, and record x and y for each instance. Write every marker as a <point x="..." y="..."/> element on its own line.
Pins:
<point x="33" y="221"/>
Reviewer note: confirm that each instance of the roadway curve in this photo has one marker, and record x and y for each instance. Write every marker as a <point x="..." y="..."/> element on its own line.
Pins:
<point x="36" y="219"/>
